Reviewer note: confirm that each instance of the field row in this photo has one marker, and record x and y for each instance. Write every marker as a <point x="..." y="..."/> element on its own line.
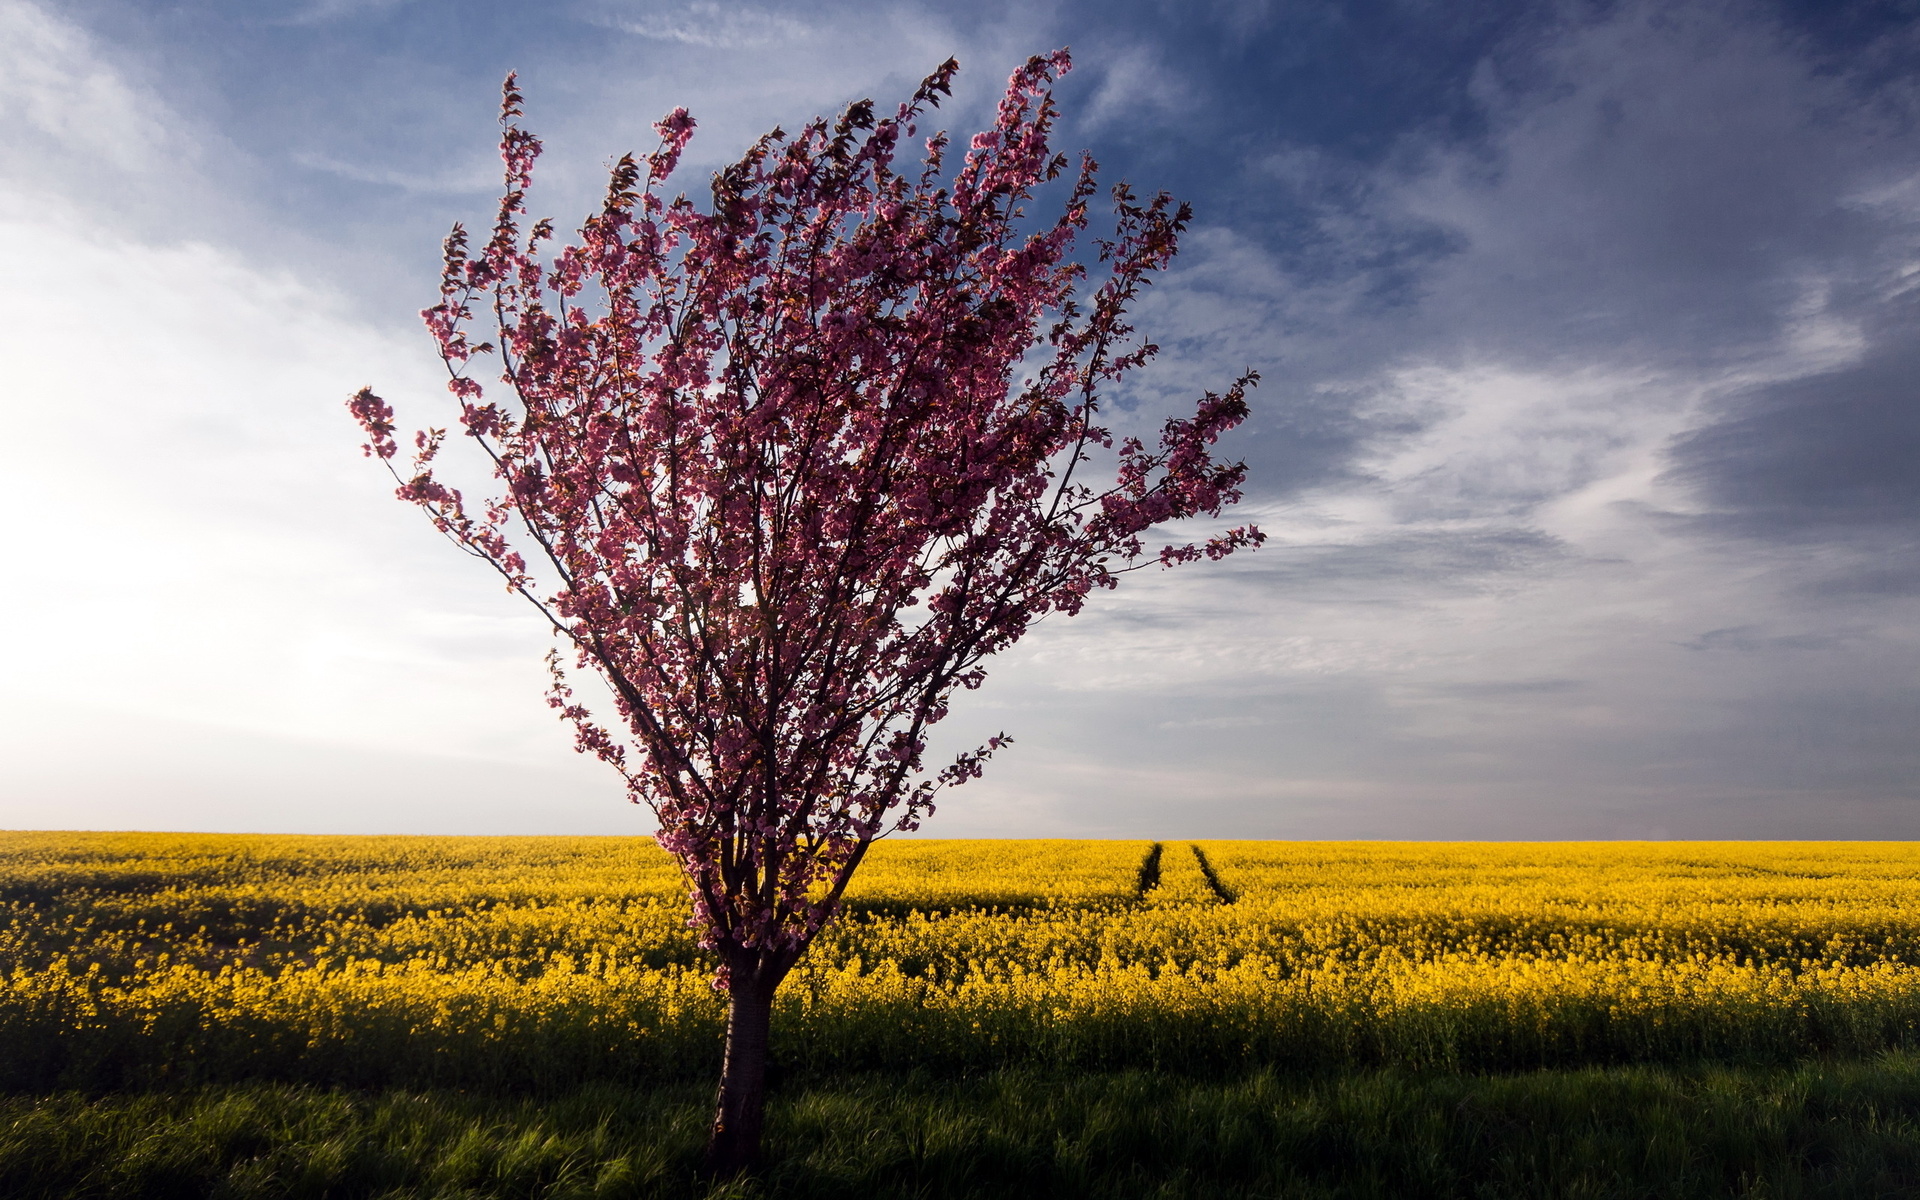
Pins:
<point x="542" y="962"/>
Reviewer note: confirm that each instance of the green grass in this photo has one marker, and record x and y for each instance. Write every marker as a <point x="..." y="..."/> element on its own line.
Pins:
<point x="1842" y="1130"/>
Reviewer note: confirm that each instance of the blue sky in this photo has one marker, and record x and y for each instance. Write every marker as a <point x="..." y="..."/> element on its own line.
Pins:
<point x="1586" y="440"/>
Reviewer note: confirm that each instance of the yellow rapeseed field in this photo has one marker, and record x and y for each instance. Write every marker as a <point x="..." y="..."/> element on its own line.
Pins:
<point x="140" y="958"/>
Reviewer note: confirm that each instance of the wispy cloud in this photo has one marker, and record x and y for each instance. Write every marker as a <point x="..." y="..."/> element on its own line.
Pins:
<point x="320" y="12"/>
<point x="65" y="103"/>
<point x="480" y="177"/>
<point x="706" y="23"/>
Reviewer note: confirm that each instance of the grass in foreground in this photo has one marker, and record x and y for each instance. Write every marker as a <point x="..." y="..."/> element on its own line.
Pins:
<point x="1822" y="1130"/>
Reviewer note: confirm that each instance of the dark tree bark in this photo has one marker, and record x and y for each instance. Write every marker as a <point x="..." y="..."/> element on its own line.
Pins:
<point x="740" y="1111"/>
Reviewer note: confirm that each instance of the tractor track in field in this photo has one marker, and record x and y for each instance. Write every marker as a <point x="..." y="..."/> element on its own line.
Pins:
<point x="1227" y="895"/>
<point x="1149" y="873"/>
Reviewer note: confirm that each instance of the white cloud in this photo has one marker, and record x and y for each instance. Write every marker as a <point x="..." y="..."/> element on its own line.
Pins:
<point x="1477" y="611"/>
<point x="1135" y="81"/>
<point x="710" y="24"/>
<point x="482" y="175"/>
<point x="201" y="565"/>
<point x="195" y="531"/>
<point x="320" y="12"/>
<point x="63" y="103"/>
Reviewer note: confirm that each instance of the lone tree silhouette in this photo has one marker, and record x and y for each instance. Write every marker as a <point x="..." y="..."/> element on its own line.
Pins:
<point x="786" y="468"/>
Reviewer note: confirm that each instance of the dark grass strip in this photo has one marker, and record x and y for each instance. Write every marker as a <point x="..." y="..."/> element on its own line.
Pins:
<point x="1828" y="1130"/>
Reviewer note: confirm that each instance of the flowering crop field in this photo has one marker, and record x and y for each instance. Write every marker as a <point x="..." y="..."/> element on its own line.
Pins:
<point x="140" y="959"/>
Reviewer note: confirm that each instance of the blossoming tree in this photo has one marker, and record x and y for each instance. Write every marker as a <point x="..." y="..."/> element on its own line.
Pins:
<point x="785" y="468"/>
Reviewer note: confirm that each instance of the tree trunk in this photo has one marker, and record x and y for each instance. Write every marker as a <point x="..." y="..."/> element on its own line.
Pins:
<point x="740" y="1112"/>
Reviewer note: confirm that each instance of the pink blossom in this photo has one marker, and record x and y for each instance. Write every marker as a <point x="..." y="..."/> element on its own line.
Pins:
<point x="788" y="491"/>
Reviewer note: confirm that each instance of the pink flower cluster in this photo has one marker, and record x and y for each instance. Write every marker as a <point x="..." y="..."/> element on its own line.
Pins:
<point x="780" y="455"/>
